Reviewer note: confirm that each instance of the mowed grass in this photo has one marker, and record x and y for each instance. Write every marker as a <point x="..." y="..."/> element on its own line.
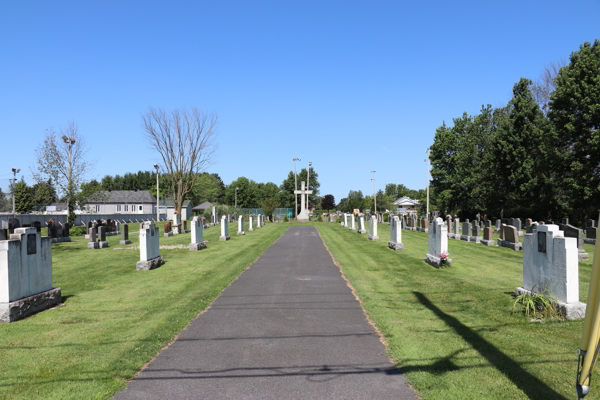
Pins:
<point x="115" y="319"/>
<point x="451" y="331"/>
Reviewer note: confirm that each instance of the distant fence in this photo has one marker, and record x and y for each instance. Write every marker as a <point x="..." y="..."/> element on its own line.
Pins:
<point x="280" y="213"/>
<point x="80" y="219"/>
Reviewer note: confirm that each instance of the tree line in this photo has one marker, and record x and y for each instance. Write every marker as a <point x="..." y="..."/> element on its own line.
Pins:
<point x="538" y="157"/>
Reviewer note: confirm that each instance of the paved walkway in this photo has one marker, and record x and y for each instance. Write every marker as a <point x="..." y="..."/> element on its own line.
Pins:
<point x="288" y="328"/>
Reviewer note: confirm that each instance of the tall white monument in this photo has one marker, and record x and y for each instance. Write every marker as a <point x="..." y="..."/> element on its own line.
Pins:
<point x="303" y="216"/>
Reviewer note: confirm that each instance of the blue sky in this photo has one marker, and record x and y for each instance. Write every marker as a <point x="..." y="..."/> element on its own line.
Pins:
<point x="350" y="86"/>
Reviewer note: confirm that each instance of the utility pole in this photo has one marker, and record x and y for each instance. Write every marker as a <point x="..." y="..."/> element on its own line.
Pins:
<point x="295" y="187"/>
<point x="308" y="182"/>
<point x="157" y="193"/>
<point x="15" y="171"/>
<point x="70" y="141"/>
<point x="427" y="175"/>
<point x="236" y="189"/>
<point x="374" y="193"/>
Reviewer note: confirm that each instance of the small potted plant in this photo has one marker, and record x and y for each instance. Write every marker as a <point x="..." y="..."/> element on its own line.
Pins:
<point x="443" y="258"/>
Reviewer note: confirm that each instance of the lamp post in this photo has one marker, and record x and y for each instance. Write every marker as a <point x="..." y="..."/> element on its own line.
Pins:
<point x="15" y="171"/>
<point x="428" y="161"/>
<point x="157" y="167"/>
<point x="308" y="182"/>
<point x="295" y="187"/>
<point x="236" y="189"/>
<point x="374" y="194"/>
<point x="70" y="141"/>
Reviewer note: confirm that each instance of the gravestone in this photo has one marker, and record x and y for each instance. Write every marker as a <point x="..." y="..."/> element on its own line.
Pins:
<point x="456" y="228"/>
<point x="38" y="226"/>
<point x="478" y="217"/>
<point x="125" y="235"/>
<point x="215" y="218"/>
<point x="176" y="226"/>
<point x="437" y="244"/>
<point x="224" y="229"/>
<point x="565" y="221"/>
<point x="26" y="275"/>
<point x="167" y="228"/>
<point x="516" y="222"/>
<point x="510" y="238"/>
<point x="475" y="234"/>
<point x="373" y="228"/>
<point x="395" y="235"/>
<point x="92" y="243"/>
<point x="590" y="223"/>
<point x="425" y="225"/>
<point x="550" y="262"/>
<point x="528" y="222"/>
<point x="240" y="230"/>
<point x="150" y="257"/>
<point x="197" y="235"/>
<point x="351" y="222"/>
<point x="574" y="232"/>
<point x="466" y="231"/>
<point x="118" y="227"/>
<point x="13" y="223"/>
<point x="102" y="243"/>
<point x="487" y="237"/>
<point x="361" y="225"/>
<point x="250" y="229"/>
<point x="66" y="232"/>
<point x="498" y="225"/>
<point x="185" y="227"/>
<point x="591" y="232"/>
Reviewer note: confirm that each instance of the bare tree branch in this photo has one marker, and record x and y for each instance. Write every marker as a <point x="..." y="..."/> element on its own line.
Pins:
<point x="542" y="88"/>
<point x="185" y="140"/>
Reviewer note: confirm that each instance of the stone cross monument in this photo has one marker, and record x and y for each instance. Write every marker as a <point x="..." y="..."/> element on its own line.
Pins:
<point x="303" y="216"/>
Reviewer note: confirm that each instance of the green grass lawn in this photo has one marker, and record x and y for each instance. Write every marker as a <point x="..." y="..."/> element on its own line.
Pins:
<point x="451" y="330"/>
<point x="115" y="319"/>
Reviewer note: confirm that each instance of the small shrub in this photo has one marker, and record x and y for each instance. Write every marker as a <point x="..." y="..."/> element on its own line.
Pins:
<point x="319" y="219"/>
<point x="536" y="304"/>
<point x="78" y="231"/>
<point x="286" y="219"/>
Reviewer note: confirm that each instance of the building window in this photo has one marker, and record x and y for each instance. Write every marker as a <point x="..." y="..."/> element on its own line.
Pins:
<point x="97" y="208"/>
<point x="118" y="208"/>
<point x="126" y="207"/>
<point x="141" y="208"/>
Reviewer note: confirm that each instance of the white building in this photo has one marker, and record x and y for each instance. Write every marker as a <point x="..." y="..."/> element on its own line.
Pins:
<point x="121" y="202"/>
<point x="407" y="203"/>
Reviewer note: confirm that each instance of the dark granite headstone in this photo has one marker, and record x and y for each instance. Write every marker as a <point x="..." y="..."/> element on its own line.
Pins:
<point x="487" y="233"/>
<point x="528" y="222"/>
<point x="590" y="223"/>
<point x="102" y="233"/>
<point x="591" y="232"/>
<point x="425" y="224"/>
<point x="565" y="221"/>
<point x="574" y="232"/>
<point x="38" y="226"/>
<point x="52" y="231"/>
<point x="516" y="222"/>
<point x="476" y="230"/>
<point x="13" y="224"/>
<point x="65" y="230"/>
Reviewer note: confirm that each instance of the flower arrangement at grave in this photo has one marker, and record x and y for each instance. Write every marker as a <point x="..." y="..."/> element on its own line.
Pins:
<point x="444" y="257"/>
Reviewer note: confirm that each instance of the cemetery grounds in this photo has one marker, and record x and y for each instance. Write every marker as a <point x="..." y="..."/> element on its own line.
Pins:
<point x="450" y="331"/>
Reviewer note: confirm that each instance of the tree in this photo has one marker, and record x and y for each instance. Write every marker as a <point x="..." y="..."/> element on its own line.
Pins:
<point x="268" y="205"/>
<point x="328" y="202"/>
<point x="44" y="194"/>
<point x="23" y="197"/>
<point x="247" y="195"/>
<point x="543" y="88"/>
<point x="208" y="187"/>
<point x="343" y="205"/>
<point x="64" y="163"/>
<point x="185" y="140"/>
<point x="286" y="194"/>
<point x="5" y="202"/>
<point x="355" y="199"/>
<point x="575" y="115"/>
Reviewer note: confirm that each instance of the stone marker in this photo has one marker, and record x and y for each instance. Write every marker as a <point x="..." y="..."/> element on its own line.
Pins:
<point x="102" y="243"/>
<point x="528" y="222"/>
<point x="574" y="232"/>
<point x="118" y="227"/>
<point x="352" y="225"/>
<point x="240" y="230"/>
<point x="437" y="245"/>
<point x="550" y="262"/>
<point x="516" y="222"/>
<point x="373" y="228"/>
<point x="13" y="223"/>
<point x="38" y="226"/>
<point x="150" y="257"/>
<point x="26" y="275"/>
<point x="185" y="227"/>
<point x="125" y="235"/>
<point x="498" y="225"/>
<point x="92" y="243"/>
<point x="224" y="229"/>
<point x="510" y="238"/>
<point x="457" y="228"/>
<point x="425" y="225"/>
<point x="475" y="234"/>
<point x="466" y="231"/>
<point x="197" y="235"/>
<point x="487" y="237"/>
<point x="250" y="223"/>
<point x="395" y="235"/>
<point x="361" y="225"/>
<point x="167" y="227"/>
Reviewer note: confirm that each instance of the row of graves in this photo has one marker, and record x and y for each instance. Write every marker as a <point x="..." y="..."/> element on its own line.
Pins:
<point x="26" y="257"/>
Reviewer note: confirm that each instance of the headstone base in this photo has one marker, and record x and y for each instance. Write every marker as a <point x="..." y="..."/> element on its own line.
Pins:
<point x="396" y="246"/>
<point x="22" y="308"/>
<point x="103" y="245"/>
<point x="175" y="230"/>
<point x="569" y="310"/>
<point x="583" y="256"/>
<point x="197" y="246"/>
<point x="251" y="229"/>
<point x="589" y="241"/>
<point x="362" y="232"/>
<point x="426" y="230"/>
<point x="150" y="264"/>
<point x="187" y="231"/>
<point x="224" y="238"/>
<point x="474" y="239"/>
<point x="465" y="238"/>
<point x="93" y="245"/>
<point x="487" y="242"/>
<point x="87" y="237"/>
<point x="450" y="235"/>
<point x="125" y="241"/>
<point x="510" y="245"/>
<point x="437" y="262"/>
<point x="374" y="238"/>
<point x="167" y="234"/>
<point x="241" y="233"/>
<point x="350" y="228"/>
<point x="112" y="233"/>
<point x="206" y="226"/>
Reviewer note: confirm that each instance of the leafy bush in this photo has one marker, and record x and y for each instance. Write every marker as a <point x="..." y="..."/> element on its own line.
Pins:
<point x="78" y="231"/>
<point x="286" y="219"/>
<point x="536" y="304"/>
<point x="319" y="219"/>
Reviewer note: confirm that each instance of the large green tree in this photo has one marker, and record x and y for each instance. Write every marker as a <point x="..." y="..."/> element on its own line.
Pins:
<point x="247" y="193"/>
<point x="328" y="202"/>
<point x="44" y="194"/>
<point x="575" y="115"/>
<point x="23" y="197"/>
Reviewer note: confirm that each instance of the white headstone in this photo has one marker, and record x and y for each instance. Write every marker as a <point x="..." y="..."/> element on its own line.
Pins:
<point x="373" y="228"/>
<point x="352" y="225"/>
<point x="240" y="230"/>
<point x="361" y="225"/>
<point x="150" y="257"/>
<point x="224" y="228"/>
<point x="437" y="244"/>
<point x="177" y="224"/>
<point x="395" y="240"/>
<point x="250" y="223"/>
<point x="197" y="235"/>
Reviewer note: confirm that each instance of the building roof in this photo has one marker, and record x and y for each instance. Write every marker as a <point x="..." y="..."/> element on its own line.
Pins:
<point x="203" y="206"/>
<point x="406" y="201"/>
<point x="122" y="196"/>
<point x="170" y="203"/>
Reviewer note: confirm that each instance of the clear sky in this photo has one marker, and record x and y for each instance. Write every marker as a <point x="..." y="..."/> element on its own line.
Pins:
<point x="351" y="86"/>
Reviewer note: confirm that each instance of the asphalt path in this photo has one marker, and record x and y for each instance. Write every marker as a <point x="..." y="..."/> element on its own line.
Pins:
<point x="288" y="328"/>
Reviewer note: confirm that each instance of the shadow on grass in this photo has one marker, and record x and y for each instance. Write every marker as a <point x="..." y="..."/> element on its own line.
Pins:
<point x="533" y="387"/>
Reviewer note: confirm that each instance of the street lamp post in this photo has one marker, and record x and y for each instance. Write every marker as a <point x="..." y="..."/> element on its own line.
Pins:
<point x="308" y="182"/>
<point x="295" y="187"/>
<point x="70" y="141"/>
<point x="15" y="171"/>
<point x="428" y="161"/>
<point x="374" y="193"/>
<point x="157" y="193"/>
